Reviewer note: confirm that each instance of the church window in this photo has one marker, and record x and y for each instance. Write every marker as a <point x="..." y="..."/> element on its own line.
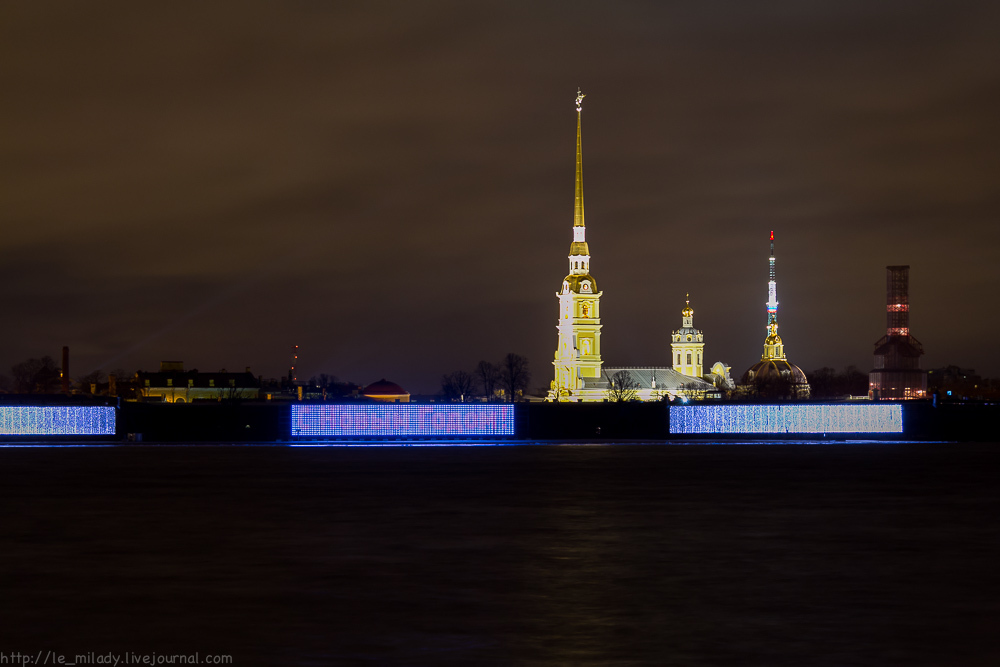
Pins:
<point x="586" y="310"/>
<point x="689" y="358"/>
<point x="586" y="346"/>
<point x="689" y="337"/>
<point x="678" y="358"/>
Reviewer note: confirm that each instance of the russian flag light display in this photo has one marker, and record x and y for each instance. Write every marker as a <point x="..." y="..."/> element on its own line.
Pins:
<point x="373" y="420"/>
<point x="57" y="420"/>
<point x="747" y="419"/>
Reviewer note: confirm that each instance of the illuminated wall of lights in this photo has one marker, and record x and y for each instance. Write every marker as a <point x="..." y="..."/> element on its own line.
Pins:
<point x="866" y="418"/>
<point x="57" y="420"/>
<point x="367" y="420"/>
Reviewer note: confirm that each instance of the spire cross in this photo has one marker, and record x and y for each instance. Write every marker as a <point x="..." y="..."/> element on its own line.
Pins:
<point x="579" y="100"/>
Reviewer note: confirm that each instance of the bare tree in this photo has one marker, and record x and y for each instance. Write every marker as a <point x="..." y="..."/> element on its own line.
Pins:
<point x="92" y="379"/>
<point x="36" y="376"/>
<point x="234" y="395"/>
<point x="489" y="378"/>
<point x="514" y="376"/>
<point x="460" y="386"/>
<point x="623" y="388"/>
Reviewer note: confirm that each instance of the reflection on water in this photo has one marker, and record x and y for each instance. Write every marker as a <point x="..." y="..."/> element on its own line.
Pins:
<point x="702" y="555"/>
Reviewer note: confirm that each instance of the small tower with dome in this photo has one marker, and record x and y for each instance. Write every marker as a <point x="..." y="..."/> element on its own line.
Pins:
<point x="687" y="344"/>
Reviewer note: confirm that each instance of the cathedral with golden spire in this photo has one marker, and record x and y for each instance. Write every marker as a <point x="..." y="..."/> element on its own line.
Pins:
<point x="578" y="351"/>
<point x="580" y="374"/>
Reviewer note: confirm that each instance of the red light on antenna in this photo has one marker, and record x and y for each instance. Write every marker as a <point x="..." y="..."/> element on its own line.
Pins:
<point x="772" y="234"/>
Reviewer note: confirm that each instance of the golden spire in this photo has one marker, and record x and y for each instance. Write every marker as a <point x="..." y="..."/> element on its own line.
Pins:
<point x="578" y="208"/>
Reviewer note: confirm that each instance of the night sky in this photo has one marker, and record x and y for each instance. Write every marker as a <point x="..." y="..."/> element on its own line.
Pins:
<point x="389" y="185"/>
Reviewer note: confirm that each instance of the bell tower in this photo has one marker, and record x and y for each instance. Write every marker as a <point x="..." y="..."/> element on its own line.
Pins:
<point x="687" y="345"/>
<point x="578" y="351"/>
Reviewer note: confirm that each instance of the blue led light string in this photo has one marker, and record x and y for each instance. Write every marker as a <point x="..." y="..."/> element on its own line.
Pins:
<point x="750" y="419"/>
<point x="401" y="420"/>
<point x="57" y="420"/>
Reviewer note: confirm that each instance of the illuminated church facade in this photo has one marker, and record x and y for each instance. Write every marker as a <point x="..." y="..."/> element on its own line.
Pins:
<point x="580" y="374"/>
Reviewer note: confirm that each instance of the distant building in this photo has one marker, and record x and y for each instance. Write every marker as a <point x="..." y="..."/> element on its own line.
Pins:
<point x="961" y="384"/>
<point x="774" y="376"/>
<point x="897" y="374"/>
<point x="172" y="384"/>
<point x="386" y="391"/>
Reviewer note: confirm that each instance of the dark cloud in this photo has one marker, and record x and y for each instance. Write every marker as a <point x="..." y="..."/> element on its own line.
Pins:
<point x="389" y="185"/>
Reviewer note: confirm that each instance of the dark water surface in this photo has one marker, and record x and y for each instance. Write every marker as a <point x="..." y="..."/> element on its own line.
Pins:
<point x="850" y="554"/>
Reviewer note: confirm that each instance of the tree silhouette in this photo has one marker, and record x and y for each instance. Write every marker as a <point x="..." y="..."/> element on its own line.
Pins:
<point x="514" y="376"/>
<point x="459" y="386"/>
<point x="623" y="388"/>
<point x="36" y="376"/>
<point x="489" y="378"/>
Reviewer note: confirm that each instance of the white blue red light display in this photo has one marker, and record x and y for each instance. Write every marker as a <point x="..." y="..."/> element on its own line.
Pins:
<point x="57" y="420"/>
<point x="747" y="419"/>
<point x="391" y="420"/>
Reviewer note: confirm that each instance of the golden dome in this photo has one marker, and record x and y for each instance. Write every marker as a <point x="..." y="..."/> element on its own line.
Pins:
<point x="774" y="369"/>
<point x="579" y="248"/>
<point x="578" y="283"/>
<point x="688" y="310"/>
